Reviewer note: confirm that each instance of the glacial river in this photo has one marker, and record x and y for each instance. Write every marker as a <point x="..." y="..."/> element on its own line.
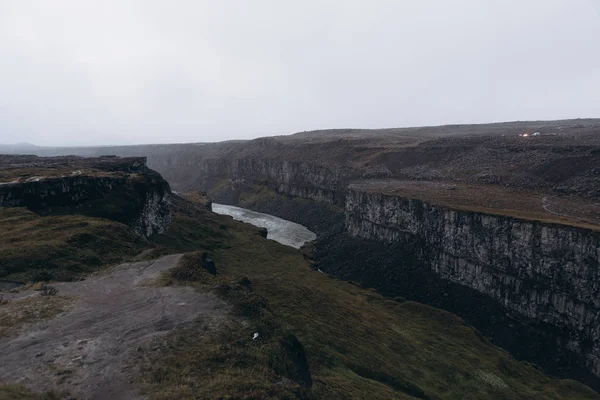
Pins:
<point x="279" y="230"/>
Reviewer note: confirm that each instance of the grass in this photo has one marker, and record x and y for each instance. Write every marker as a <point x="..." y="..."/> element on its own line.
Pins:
<point x="34" y="247"/>
<point x="21" y="174"/>
<point x="220" y="358"/>
<point x="15" y="314"/>
<point x="20" y="392"/>
<point x="319" y="338"/>
<point x="191" y="230"/>
<point x="495" y="200"/>
<point x="357" y="343"/>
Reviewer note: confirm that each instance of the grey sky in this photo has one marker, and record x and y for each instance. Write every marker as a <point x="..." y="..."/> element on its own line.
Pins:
<point x="126" y="71"/>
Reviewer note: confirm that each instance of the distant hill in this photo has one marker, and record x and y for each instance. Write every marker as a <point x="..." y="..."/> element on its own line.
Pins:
<point x="408" y="135"/>
<point x="19" y="148"/>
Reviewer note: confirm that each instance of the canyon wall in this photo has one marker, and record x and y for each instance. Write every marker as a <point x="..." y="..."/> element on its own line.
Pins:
<point x="547" y="273"/>
<point x="121" y="190"/>
<point x="299" y="179"/>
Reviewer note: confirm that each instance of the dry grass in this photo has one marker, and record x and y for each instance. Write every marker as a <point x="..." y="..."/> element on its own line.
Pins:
<point x="495" y="200"/>
<point x="21" y="175"/>
<point x="15" y="314"/>
<point x="20" y="392"/>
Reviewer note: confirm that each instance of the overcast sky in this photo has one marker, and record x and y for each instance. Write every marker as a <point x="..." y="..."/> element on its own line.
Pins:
<point x="125" y="71"/>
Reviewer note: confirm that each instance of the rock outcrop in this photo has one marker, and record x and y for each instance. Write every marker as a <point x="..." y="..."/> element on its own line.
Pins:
<point x="123" y="190"/>
<point x="546" y="273"/>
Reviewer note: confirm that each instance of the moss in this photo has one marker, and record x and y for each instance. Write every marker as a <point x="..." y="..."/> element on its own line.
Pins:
<point x="20" y="392"/>
<point x="318" y="337"/>
<point x="66" y="247"/>
<point x="357" y="343"/>
<point x="192" y="229"/>
<point x="193" y="267"/>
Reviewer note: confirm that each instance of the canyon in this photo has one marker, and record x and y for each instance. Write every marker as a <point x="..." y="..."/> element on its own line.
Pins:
<point x="212" y="307"/>
<point x="501" y="229"/>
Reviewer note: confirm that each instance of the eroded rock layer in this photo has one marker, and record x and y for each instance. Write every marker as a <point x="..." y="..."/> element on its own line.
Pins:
<point x="123" y="190"/>
<point x="546" y="272"/>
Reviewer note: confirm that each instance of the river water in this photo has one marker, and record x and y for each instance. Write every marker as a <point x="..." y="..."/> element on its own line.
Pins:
<point x="279" y="230"/>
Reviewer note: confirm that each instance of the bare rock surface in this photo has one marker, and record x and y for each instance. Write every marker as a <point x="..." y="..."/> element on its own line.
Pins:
<point x="87" y="348"/>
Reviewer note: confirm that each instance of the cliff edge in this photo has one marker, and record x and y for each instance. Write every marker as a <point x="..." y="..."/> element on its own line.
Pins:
<point x="124" y="190"/>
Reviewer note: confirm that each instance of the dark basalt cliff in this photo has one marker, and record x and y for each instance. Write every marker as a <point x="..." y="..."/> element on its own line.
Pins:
<point x="298" y="179"/>
<point x="123" y="190"/>
<point x="545" y="272"/>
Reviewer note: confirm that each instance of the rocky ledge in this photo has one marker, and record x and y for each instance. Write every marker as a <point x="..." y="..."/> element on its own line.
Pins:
<point x="120" y="189"/>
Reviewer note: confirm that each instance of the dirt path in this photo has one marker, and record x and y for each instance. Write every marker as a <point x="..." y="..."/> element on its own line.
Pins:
<point x="546" y="206"/>
<point x="86" y="349"/>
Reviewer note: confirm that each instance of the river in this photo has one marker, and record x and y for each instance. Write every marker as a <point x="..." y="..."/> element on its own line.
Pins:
<point x="280" y="230"/>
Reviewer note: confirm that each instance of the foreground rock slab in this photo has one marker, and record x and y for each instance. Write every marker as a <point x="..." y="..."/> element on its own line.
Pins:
<point x="86" y="350"/>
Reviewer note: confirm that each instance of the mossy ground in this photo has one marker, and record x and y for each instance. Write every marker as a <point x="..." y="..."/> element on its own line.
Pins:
<point x="358" y="344"/>
<point x="13" y="315"/>
<point x="319" y="338"/>
<point x="68" y="247"/>
<point x="20" y="392"/>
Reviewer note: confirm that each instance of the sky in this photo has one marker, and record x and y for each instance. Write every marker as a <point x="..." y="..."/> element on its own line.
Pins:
<point x="82" y="72"/>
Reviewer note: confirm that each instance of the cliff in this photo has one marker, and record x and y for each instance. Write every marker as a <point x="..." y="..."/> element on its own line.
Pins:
<point x="299" y="179"/>
<point x="122" y="190"/>
<point x="547" y="273"/>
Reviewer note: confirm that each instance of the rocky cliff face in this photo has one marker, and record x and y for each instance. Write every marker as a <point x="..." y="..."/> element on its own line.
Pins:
<point x="300" y="179"/>
<point x="544" y="275"/>
<point x="155" y="215"/>
<point x="123" y="190"/>
<point x="544" y="272"/>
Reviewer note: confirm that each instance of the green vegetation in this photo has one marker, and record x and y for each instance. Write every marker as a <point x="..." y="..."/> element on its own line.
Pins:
<point x="68" y="247"/>
<point x="64" y="248"/>
<point x="218" y="357"/>
<point x="357" y="343"/>
<point x="191" y="229"/>
<point x="318" y="337"/>
<point x="20" y="392"/>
